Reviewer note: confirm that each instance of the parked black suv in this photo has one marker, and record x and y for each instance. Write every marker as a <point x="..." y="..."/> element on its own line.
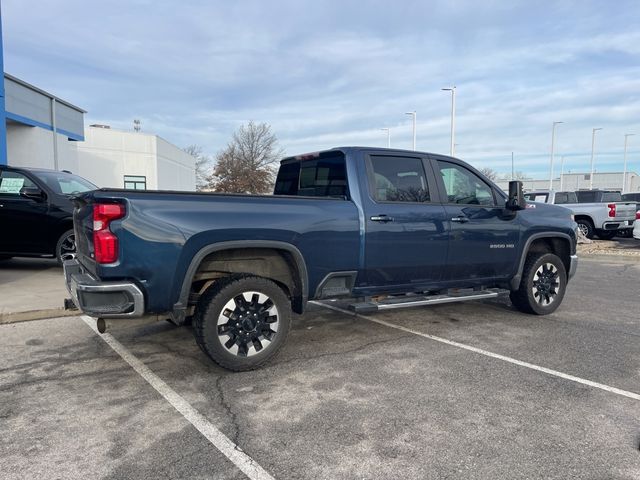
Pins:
<point x="36" y="213"/>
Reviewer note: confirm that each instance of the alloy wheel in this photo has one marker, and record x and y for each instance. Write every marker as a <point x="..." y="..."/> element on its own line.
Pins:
<point x="546" y="284"/>
<point x="67" y="249"/>
<point x="248" y="323"/>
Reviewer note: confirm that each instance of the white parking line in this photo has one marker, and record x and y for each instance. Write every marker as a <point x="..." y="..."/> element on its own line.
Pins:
<point x="504" y="358"/>
<point x="229" y="449"/>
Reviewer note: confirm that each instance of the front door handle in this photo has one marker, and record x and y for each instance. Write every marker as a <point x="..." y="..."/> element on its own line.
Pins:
<point x="460" y="219"/>
<point x="382" y="218"/>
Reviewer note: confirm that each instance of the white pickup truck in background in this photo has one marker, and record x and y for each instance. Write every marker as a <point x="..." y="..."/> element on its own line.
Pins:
<point x="605" y="217"/>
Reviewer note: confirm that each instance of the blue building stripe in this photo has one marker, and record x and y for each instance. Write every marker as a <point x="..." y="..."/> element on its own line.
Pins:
<point x="34" y="123"/>
<point x="3" y="121"/>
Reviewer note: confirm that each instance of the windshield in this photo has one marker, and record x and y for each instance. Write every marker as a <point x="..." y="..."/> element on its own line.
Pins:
<point x="65" y="183"/>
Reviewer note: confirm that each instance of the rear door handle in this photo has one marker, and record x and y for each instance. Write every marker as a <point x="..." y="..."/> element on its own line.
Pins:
<point x="382" y="218"/>
<point x="460" y="219"/>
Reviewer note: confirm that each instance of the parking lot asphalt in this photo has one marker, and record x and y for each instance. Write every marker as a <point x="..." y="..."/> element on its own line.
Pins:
<point x="31" y="288"/>
<point x="346" y="398"/>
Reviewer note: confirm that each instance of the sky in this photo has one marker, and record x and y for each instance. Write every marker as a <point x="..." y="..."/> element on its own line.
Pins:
<point x="331" y="73"/>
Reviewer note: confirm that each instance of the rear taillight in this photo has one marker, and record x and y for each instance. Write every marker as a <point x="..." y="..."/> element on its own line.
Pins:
<point x="638" y="215"/>
<point x="105" y="243"/>
<point x="612" y="209"/>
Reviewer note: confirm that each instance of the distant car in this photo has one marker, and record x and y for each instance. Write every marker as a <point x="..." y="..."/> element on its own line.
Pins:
<point x="36" y="214"/>
<point x="630" y="197"/>
<point x="636" y="226"/>
<point x="594" y="218"/>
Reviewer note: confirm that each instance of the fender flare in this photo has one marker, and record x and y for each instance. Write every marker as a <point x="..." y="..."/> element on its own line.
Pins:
<point x="180" y="307"/>
<point x="514" y="283"/>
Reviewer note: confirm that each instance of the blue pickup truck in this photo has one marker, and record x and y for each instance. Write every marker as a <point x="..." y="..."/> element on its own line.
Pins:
<point x="386" y="228"/>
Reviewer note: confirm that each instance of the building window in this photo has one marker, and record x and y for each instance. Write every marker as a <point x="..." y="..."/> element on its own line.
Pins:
<point x="133" y="182"/>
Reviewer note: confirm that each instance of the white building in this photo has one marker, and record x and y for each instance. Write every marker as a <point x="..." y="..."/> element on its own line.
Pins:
<point x="121" y="159"/>
<point x="581" y="181"/>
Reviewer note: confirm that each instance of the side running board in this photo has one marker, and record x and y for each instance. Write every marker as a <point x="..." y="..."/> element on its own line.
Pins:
<point x="407" y="301"/>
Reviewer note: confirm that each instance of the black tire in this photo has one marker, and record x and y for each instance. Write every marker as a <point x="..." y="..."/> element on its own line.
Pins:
<point x="544" y="294"/>
<point x="66" y="247"/>
<point x="262" y="321"/>
<point x="586" y="227"/>
<point x="606" y="234"/>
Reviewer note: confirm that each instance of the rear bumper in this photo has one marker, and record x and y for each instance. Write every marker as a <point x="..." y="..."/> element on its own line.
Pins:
<point x="617" y="225"/>
<point x="119" y="299"/>
<point x="573" y="266"/>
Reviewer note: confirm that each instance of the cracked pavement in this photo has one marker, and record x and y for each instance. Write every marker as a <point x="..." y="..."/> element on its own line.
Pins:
<point x="346" y="398"/>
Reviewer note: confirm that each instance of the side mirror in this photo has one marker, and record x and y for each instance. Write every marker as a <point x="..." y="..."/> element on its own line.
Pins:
<point x="516" y="199"/>
<point x="34" y="193"/>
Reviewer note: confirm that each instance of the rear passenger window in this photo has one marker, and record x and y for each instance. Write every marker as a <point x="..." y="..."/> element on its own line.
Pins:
<point x="398" y="179"/>
<point x="561" y="198"/>
<point x="322" y="177"/>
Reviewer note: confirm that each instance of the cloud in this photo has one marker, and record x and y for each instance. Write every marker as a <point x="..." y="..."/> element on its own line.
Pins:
<point x="331" y="73"/>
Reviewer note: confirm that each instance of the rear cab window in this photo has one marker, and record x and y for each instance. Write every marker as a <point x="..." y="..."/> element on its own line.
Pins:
<point x="325" y="176"/>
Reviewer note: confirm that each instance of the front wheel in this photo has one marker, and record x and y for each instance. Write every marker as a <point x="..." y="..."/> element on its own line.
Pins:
<point x="543" y="283"/>
<point x="242" y="322"/>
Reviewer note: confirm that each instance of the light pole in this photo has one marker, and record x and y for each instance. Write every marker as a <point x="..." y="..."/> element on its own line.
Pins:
<point x="413" y="114"/>
<point x="388" y="130"/>
<point x="512" y="168"/>
<point x="593" y="146"/>
<point x="624" y="171"/>
<point x="553" y="142"/>
<point x="561" y="171"/>
<point x="453" y="118"/>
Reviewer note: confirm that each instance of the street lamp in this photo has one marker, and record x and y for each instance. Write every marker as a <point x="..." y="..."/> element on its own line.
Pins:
<point x="624" y="171"/>
<point x="388" y="130"/>
<point x="553" y="142"/>
<point x="453" y="117"/>
<point x="593" y="146"/>
<point x="561" y="171"/>
<point x="413" y="114"/>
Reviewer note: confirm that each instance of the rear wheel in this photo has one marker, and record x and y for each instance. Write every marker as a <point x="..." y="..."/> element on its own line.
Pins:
<point x="606" y="234"/>
<point x="586" y="227"/>
<point x="66" y="247"/>
<point x="543" y="283"/>
<point x="242" y="322"/>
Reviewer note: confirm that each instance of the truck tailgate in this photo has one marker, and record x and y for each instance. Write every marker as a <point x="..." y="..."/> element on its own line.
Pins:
<point x="625" y="211"/>
<point x="83" y="228"/>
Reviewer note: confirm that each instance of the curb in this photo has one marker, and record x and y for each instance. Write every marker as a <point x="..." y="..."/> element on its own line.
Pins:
<point x="16" y="317"/>
<point x="609" y="253"/>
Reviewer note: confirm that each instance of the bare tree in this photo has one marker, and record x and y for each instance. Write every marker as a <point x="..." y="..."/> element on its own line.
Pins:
<point x="246" y="164"/>
<point x="203" y="166"/>
<point x="490" y="173"/>
<point x="517" y="175"/>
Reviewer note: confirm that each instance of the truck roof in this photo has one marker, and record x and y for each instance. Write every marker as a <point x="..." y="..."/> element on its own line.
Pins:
<point x="356" y="148"/>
